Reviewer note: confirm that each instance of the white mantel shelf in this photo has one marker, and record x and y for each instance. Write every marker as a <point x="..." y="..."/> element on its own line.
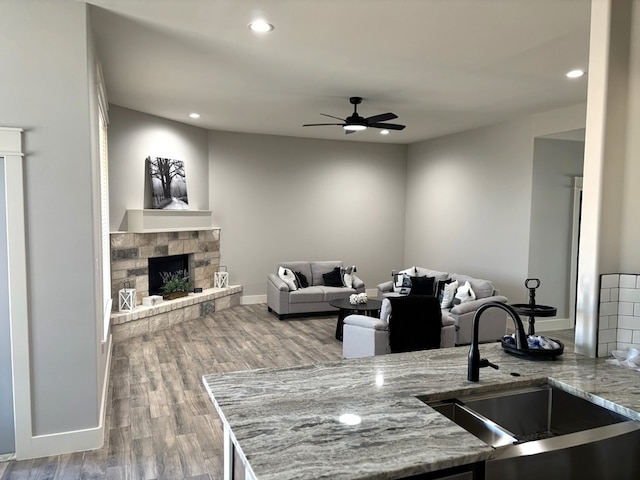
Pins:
<point x="158" y="220"/>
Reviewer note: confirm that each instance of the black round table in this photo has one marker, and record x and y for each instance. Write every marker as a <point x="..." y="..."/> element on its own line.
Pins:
<point x="371" y="308"/>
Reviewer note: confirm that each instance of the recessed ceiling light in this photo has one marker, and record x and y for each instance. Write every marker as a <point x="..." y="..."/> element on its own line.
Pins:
<point x="575" y="73"/>
<point x="194" y="115"/>
<point x="260" y="26"/>
<point x="384" y="132"/>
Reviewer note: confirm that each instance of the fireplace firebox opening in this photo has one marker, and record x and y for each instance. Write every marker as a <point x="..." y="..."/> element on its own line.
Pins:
<point x="159" y="266"/>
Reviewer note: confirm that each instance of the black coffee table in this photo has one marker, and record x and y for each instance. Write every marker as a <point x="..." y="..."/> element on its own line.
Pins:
<point x="371" y="308"/>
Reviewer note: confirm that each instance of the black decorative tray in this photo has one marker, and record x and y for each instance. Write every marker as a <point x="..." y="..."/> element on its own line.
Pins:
<point x="537" y="353"/>
<point x="537" y="310"/>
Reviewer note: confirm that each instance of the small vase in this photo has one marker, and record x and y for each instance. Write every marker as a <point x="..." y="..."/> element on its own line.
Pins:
<point x="174" y="295"/>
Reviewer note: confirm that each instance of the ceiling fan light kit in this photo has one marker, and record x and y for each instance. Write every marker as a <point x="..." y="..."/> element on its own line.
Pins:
<point x="356" y="123"/>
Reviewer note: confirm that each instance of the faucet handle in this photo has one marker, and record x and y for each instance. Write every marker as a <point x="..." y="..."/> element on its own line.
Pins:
<point x="486" y="363"/>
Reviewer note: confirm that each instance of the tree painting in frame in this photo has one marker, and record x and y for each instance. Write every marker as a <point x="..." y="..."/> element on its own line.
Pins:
<point x="169" y="183"/>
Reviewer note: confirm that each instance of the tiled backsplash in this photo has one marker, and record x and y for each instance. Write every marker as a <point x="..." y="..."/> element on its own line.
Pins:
<point x="619" y="322"/>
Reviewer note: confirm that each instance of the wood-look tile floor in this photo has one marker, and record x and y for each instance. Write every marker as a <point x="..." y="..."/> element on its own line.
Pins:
<point x="160" y="421"/>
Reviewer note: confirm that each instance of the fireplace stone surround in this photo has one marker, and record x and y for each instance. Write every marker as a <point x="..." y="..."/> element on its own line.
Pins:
<point x="130" y="253"/>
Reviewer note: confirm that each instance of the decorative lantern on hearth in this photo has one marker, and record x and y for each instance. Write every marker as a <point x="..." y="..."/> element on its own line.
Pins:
<point x="221" y="277"/>
<point x="126" y="298"/>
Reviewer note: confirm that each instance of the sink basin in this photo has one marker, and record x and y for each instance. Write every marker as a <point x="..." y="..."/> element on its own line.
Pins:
<point x="572" y="437"/>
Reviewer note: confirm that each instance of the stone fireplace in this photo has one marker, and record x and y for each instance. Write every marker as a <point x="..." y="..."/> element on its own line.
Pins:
<point x="131" y="255"/>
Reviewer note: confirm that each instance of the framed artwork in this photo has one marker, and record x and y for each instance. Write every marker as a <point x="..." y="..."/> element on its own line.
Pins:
<point x="168" y="183"/>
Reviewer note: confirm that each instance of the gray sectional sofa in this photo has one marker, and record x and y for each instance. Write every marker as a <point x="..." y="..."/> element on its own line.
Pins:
<point x="494" y="320"/>
<point x="313" y="299"/>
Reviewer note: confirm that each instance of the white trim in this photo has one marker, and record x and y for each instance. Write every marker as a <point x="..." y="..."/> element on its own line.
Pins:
<point x="253" y="299"/>
<point x="10" y="149"/>
<point x="550" y="324"/>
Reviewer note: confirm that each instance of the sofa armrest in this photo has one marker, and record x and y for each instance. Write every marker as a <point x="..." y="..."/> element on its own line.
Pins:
<point x="366" y="322"/>
<point x="473" y="305"/>
<point x="278" y="282"/>
<point x="385" y="287"/>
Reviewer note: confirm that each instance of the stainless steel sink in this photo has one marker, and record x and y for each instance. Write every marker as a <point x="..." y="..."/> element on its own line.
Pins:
<point x="545" y="432"/>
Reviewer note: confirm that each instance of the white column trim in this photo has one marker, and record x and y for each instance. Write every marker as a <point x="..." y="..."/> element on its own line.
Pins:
<point x="11" y="150"/>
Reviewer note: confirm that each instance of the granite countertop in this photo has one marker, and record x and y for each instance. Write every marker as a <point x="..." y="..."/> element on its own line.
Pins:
<point x="285" y="421"/>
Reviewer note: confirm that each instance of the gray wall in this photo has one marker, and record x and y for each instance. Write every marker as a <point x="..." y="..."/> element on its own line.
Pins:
<point x="133" y="136"/>
<point x="469" y="204"/>
<point x="555" y="164"/>
<point x="283" y="198"/>
<point x="7" y="437"/>
<point x="47" y="92"/>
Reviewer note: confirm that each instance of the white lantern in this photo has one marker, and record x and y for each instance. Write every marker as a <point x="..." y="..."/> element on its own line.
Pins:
<point x="126" y="299"/>
<point x="221" y="277"/>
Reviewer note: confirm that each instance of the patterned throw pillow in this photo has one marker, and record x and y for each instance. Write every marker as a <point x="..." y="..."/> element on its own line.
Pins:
<point x="448" y="294"/>
<point x="346" y="273"/>
<point x="288" y="277"/>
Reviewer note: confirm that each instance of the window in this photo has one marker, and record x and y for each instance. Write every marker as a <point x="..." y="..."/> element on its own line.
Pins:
<point x="103" y="120"/>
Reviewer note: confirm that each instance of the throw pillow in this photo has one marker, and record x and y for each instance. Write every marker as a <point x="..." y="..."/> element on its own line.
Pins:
<point x="288" y="277"/>
<point x="346" y="273"/>
<point x="301" y="280"/>
<point x="422" y="285"/>
<point x="402" y="280"/>
<point x="333" y="278"/>
<point x="464" y="294"/>
<point x="448" y="294"/>
<point x="439" y="290"/>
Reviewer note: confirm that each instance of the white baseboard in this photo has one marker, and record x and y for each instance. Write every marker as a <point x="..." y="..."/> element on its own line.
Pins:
<point x="75" y="440"/>
<point x="548" y="325"/>
<point x="252" y="299"/>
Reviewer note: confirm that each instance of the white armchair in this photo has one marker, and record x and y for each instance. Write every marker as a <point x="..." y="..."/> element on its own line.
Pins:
<point x="368" y="336"/>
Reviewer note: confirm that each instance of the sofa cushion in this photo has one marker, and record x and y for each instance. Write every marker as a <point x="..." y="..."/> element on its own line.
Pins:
<point x="366" y="322"/>
<point x="335" y="293"/>
<point x="307" y="295"/>
<point x="464" y="294"/>
<point x="422" y="285"/>
<point x="287" y="276"/>
<point x="301" y="280"/>
<point x="299" y="266"/>
<point x="482" y="288"/>
<point x="333" y="278"/>
<point x="448" y="294"/>
<point x="346" y="273"/>
<point x="425" y="272"/>
<point x="402" y="280"/>
<point x="320" y="268"/>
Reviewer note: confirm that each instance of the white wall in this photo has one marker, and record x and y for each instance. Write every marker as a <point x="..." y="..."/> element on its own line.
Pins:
<point x="46" y="90"/>
<point x="469" y="204"/>
<point x="284" y="198"/>
<point x="133" y="136"/>
<point x="555" y="164"/>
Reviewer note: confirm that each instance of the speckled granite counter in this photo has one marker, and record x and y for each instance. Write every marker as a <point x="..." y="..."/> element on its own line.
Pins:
<point x="284" y="422"/>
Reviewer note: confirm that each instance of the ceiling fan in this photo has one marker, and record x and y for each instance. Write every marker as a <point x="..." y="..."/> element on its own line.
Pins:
<point x="355" y="122"/>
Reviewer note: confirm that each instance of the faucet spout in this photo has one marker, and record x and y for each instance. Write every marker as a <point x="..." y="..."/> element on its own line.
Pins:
<point x="473" y="369"/>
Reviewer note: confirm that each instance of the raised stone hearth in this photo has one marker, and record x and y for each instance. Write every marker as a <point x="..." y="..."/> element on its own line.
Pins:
<point x="171" y="312"/>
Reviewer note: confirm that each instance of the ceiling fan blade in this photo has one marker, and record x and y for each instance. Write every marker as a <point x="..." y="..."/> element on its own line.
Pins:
<point x="388" y="126"/>
<point x="347" y="132"/>
<point x="331" y="116"/>
<point x="320" y="124"/>
<point x="383" y="117"/>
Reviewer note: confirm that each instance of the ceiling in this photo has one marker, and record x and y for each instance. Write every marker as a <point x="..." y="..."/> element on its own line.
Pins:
<point x="442" y="66"/>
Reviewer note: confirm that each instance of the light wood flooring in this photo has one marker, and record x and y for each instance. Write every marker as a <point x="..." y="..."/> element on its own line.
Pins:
<point x="160" y="421"/>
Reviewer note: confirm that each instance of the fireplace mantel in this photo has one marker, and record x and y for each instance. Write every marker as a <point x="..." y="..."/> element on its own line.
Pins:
<point x="157" y="220"/>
